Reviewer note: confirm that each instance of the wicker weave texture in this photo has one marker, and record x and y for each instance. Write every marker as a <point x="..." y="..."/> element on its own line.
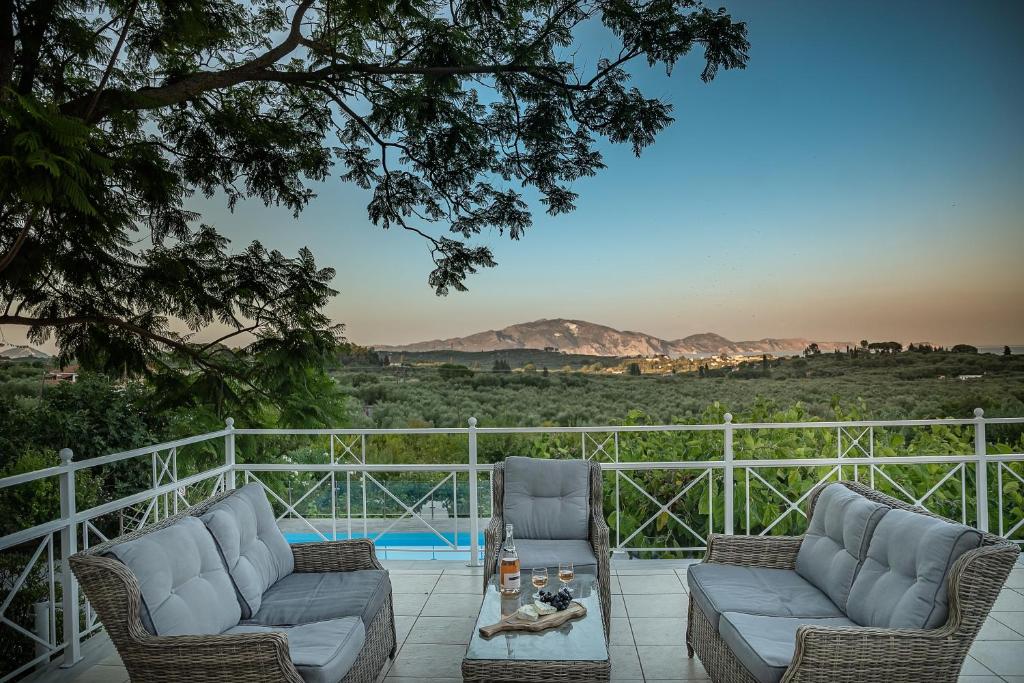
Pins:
<point x="862" y="654"/>
<point x="510" y="671"/>
<point x="114" y="593"/>
<point x="494" y="534"/>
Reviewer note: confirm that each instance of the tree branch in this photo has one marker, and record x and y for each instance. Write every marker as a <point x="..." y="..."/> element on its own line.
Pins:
<point x="129" y="15"/>
<point x="6" y="44"/>
<point x="197" y="84"/>
<point x="30" y="35"/>
<point x="113" y="322"/>
<point x="19" y="241"/>
<point x="189" y="86"/>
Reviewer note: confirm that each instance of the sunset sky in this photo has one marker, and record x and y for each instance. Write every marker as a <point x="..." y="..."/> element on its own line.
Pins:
<point x="863" y="177"/>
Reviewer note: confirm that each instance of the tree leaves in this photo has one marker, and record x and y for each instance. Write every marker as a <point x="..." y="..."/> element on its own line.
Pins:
<point x="448" y="113"/>
<point x="114" y="114"/>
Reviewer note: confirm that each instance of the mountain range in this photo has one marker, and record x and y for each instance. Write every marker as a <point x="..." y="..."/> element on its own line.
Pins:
<point x="582" y="337"/>
<point x="21" y="352"/>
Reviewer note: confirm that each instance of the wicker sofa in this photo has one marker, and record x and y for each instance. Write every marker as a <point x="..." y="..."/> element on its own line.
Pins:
<point x="875" y="591"/>
<point x="217" y="594"/>
<point x="557" y="511"/>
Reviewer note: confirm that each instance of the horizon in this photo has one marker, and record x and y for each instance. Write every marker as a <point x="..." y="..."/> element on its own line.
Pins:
<point x="852" y="182"/>
<point x="50" y="348"/>
<point x="810" y="338"/>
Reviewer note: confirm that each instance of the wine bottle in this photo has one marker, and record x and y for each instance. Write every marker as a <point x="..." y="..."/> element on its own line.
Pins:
<point x="508" y="570"/>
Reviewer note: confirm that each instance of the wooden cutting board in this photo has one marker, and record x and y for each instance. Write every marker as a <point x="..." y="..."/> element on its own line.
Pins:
<point x="512" y="622"/>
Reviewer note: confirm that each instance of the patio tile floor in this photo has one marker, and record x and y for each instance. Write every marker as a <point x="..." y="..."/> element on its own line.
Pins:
<point x="436" y="603"/>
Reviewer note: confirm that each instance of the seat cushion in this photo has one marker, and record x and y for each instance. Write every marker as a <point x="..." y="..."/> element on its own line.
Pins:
<point x="718" y="588"/>
<point x="185" y="586"/>
<point x="302" y="597"/>
<point x="903" y="581"/>
<point x="765" y="645"/>
<point x="255" y="550"/>
<point x="547" y="499"/>
<point x="549" y="553"/>
<point x="837" y="540"/>
<point x="324" y="651"/>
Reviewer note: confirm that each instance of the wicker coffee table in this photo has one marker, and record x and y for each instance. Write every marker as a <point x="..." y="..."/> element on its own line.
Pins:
<point x="575" y="651"/>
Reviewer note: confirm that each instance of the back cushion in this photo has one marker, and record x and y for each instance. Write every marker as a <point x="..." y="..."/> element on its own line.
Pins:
<point x="903" y="581"/>
<point x="255" y="550"/>
<point x="837" y="541"/>
<point x="186" y="589"/>
<point x="547" y="499"/>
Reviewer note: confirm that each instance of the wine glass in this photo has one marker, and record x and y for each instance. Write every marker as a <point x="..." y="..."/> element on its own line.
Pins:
<point x="539" y="577"/>
<point x="565" y="573"/>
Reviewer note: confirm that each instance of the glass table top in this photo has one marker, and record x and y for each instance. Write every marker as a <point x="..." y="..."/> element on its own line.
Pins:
<point x="577" y="640"/>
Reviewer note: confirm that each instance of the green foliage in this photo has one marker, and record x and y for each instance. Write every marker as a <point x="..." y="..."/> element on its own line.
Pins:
<point x="824" y="386"/>
<point x="452" y="371"/>
<point x="15" y="649"/>
<point x="885" y="347"/>
<point x="889" y="386"/>
<point x="114" y="115"/>
<point x="50" y="162"/>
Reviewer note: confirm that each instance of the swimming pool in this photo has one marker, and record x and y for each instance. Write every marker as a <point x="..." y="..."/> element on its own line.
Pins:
<point x="403" y="545"/>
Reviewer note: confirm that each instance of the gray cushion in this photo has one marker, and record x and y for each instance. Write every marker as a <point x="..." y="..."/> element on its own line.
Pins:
<point x="903" y="581"/>
<point x="256" y="553"/>
<point x="837" y="540"/>
<point x="718" y="588"/>
<point x="765" y="645"/>
<point x="549" y="553"/>
<point x="303" y="597"/>
<point x="186" y="589"/>
<point x="547" y="499"/>
<point x="323" y="652"/>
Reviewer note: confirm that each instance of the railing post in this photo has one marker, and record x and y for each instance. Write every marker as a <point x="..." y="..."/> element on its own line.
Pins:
<point x="229" y="453"/>
<point x="474" y="515"/>
<point x="41" y="627"/>
<point x="728" y="474"/>
<point x="981" y="473"/>
<point x="68" y="547"/>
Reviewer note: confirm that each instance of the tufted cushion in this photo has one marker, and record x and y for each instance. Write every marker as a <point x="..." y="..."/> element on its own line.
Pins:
<point x="547" y="499"/>
<point x="765" y="645"/>
<point x="303" y="597"/>
<point x="322" y="652"/>
<point x="255" y="550"/>
<point x="186" y="589"/>
<point x="903" y="581"/>
<point x="718" y="588"/>
<point x="837" y="540"/>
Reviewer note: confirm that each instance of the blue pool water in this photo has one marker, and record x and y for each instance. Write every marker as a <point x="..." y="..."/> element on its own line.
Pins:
<point x="403" y="545"/>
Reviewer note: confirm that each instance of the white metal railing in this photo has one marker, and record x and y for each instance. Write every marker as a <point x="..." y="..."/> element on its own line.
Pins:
<point x="347" y="467"/>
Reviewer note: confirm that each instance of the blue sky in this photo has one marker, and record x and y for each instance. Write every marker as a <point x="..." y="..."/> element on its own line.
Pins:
<point x="862" y="177"/>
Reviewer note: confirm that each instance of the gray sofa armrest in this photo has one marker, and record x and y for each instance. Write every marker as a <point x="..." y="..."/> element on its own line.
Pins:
<point x="773" y="552"/>
<point x="599" y="541"/>
<point x="874" y="654"/>
<point x="258" y="657"/>
<point x="335" y="556"/>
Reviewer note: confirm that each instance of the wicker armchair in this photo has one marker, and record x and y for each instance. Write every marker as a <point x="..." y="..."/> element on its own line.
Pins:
<point x="598" y="537"/>
<point x="861" y="654"/>
<point x="114" y="592"/>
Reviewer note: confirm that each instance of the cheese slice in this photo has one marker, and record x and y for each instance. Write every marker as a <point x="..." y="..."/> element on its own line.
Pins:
<point x="528" y="613"/>
<point x="544" y="608"/>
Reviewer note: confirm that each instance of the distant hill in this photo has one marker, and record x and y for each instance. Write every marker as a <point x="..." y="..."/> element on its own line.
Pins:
<point x="581" y="337"/>
<point x="22" y="353"/>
